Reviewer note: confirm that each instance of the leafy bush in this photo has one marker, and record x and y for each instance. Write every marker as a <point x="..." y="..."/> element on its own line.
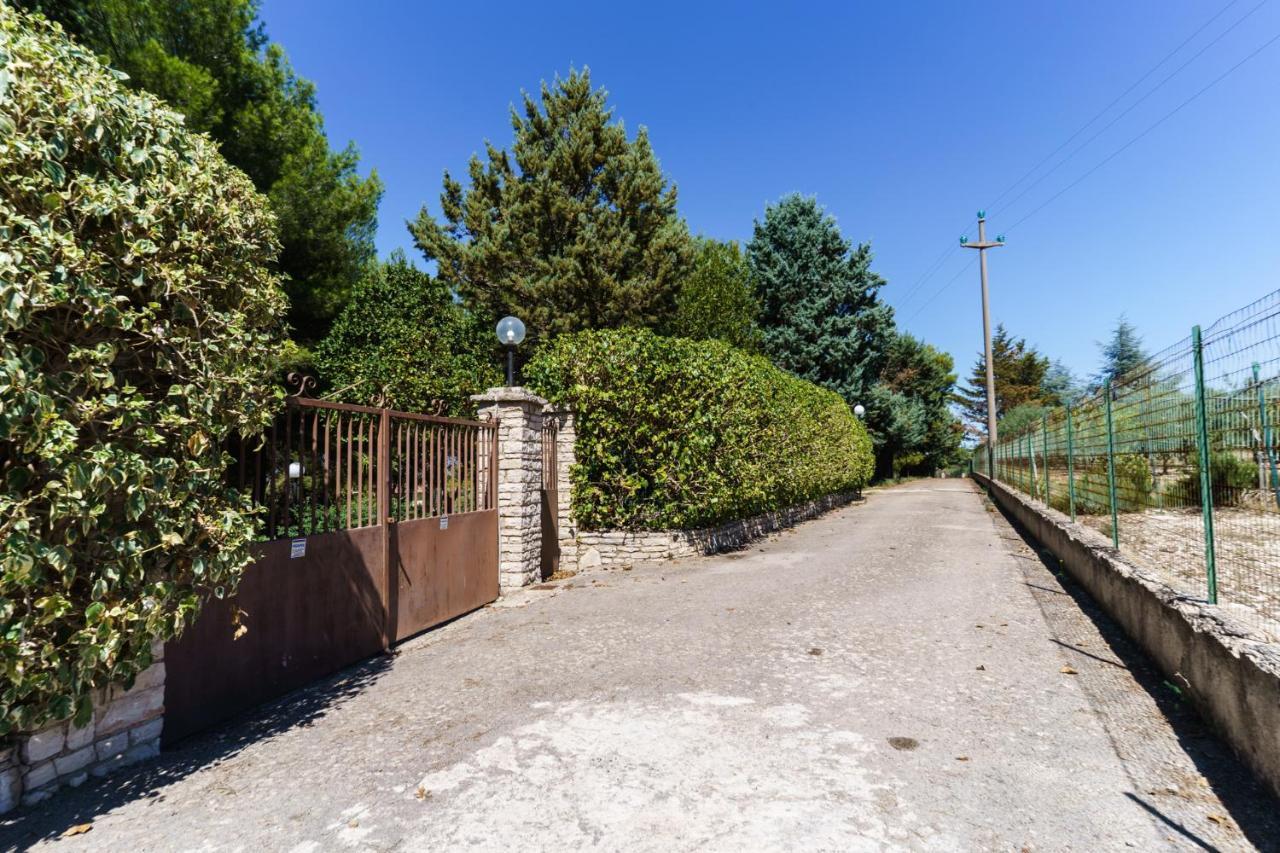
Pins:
<point x="676" y="433"/>
<point x="1134" y="486"/>
<point x="405" y="340"/>
<point x="1229" y="475"/>
<point x="141" y="323"/>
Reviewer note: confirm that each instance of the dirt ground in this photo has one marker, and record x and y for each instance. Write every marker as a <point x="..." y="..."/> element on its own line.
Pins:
<point x="905" y="673"/>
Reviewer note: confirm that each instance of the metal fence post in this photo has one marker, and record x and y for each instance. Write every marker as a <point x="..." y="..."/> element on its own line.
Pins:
<point x="1111" y="466"/>
<point x="1071" y="468"/>
<point x="1206" y="473"/>
<point x="1044" y="438"/>
<point x="1265" y="429"/>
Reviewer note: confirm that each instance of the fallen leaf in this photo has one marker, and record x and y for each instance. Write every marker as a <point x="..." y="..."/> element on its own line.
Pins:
<point x="421" y="793"/>
<point x="815" y="652"/>
<point x="78" y="829"/>
<point x="981" y="667"/>
<point x="1068" y="670"/>
<point x="353" y="823"/>
<point x="1217" y="818"/>
<point x="962" y="758"/>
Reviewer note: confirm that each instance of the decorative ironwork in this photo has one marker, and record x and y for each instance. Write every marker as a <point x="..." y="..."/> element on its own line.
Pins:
<point x="301" y="383"/>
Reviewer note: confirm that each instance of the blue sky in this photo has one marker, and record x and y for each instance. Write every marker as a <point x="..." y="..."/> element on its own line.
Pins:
<point x="902" y="118"/>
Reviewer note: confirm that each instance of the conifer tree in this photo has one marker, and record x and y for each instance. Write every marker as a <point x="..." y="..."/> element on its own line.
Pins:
<point x="576" y="228"/>
<point x="820" y="312"/>
<point x="1122" y="353"/>
<point x="1019" y="378"/>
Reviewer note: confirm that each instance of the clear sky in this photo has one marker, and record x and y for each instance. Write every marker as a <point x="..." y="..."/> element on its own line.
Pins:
<point x="902" y="118"/>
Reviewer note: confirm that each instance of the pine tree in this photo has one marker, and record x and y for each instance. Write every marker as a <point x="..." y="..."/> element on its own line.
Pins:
<point x="1019" y="379"/>
<point x="1121" y="354"/>
<point x="575" y="229"/>
<point x="820" y="314"/>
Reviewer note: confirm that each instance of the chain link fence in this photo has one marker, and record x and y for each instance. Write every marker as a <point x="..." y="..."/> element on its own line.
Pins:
<point x="1176" y="461"/>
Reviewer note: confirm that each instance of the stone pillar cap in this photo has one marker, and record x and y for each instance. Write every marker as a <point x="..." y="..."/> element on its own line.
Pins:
<point x="508" y="395"/>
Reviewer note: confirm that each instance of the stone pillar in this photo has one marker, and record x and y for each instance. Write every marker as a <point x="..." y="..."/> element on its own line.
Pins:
<point x="519" y="416"/>
<point x="566" y="436"/>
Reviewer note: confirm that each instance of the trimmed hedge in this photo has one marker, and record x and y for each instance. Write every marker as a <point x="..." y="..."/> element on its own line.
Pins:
<point x="677" y="434"/>
<point x="141" y="323"/>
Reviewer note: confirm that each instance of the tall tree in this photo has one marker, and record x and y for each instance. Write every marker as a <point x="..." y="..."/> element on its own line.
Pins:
<point x="820" y="312"/>
<point x="922" y="381"/>
<point x="575" y="229"/>
<point x="211" y="60"/>
<point x="1019" y="378"/>
<point x="1121" y="353"/>
<point x="1061" y="384"/>
<point x="404" y="339"/>
<point x="716" y="300"/>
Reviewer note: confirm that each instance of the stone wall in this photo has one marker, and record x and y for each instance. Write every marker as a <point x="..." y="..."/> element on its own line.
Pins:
<point x="519" y="416"/>
<point x="125" y="729"/>
<point x="1229" y="674"/>
<point x="616" y="549"/>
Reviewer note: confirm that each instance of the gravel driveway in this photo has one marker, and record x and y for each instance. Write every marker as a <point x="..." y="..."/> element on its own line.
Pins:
<point x="903" y="673"/>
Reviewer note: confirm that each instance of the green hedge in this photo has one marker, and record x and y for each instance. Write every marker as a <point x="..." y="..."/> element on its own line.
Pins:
<point x="675" y="433"/>
<point x="141" y="324"/>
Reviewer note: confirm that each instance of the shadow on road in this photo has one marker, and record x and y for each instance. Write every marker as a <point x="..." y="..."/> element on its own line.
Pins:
<point x="73" y="806"/>
<point x="1184" y="776"/>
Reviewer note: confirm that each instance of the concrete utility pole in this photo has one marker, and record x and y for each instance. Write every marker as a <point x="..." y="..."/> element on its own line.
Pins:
<point x="982" y="245"/>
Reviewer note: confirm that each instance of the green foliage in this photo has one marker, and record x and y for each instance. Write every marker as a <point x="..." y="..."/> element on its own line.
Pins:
<point x="211" y="61"/>
<point x="717" y="300"/>
<point x="405" y="340"/>
<point x="579" y="232"/>
<point x="819" y="310"/>
<point x="1121" y="354"/>
<point x="1229" y="475"/>
<point x="923" y="436"/>
<point x="141" y="325"/>
<point x="1020" y="373"/>
<point x="675" y="433"/>
<point x="1020" y="419"/>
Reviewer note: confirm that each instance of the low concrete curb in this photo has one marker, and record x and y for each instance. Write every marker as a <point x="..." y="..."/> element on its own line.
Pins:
<point x="1232" y="678"/>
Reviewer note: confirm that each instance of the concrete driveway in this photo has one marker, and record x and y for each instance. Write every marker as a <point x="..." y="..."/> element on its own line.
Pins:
<point x="904" y="673"/>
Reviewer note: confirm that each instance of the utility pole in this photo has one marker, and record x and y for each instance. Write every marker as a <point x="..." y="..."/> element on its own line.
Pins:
<point x="982" y="245"/>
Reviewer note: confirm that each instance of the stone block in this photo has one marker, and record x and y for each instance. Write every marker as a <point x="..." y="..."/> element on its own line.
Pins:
<point x="76" y="780"/>
<point x="40" y="774"/>
<point x="78" y="737"/>
<point x="113" y="746"/>
<point x="72" y="762"/>
<point x="38" y="746"/>
<point x="136" y="706"/>
<point x="147" y="732"/>
<point x="30" y="798"/>
<point x="141" y="752"/>
<point x="10" y="789"/>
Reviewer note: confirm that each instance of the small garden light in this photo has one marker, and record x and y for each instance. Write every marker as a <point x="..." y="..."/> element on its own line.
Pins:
<point x="859" y="410"/>
<point x="510" y="334"/>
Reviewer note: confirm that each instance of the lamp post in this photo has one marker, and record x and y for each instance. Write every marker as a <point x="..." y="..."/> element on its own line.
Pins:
<point x="859" y="410"/>
<point x="510" y="334"/>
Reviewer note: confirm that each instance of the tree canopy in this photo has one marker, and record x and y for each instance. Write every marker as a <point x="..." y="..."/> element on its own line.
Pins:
<point x="404" y="340"/>
<point x="820" y="313"/>
<point x="717" y="301"/>
<point x="1121" y="353"/>
<point x="576" y="228"/>
<point x="141" y="323"/>
<point x="211" y="60"/>
<point x="920" y="381"/>
<point x="1020" y="373"/>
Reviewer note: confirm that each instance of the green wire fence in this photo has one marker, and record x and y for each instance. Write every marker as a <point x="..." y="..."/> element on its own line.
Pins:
<point x="1176" y="462"/>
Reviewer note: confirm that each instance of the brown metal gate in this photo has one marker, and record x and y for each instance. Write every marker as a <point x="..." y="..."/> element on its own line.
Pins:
<point x="380" y="524"/>
<point x="550" y="500"/>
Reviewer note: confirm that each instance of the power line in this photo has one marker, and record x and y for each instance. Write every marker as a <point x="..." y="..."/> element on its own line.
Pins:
<point x="1134" y="105"/>
<point x="940" y="261"/>
<point x="964" y="269"/>
<point x="1118" y="99"/>
<point x="1215" y="81"/>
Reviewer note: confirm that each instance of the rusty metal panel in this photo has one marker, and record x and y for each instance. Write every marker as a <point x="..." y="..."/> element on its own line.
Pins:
<point x="550" y="554"/>
<point x="446" y="566"/>
<point x="306" y="617"/>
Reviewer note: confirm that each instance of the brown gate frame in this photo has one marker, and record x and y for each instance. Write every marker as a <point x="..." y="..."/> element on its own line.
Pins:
<point x="370" y="497"/>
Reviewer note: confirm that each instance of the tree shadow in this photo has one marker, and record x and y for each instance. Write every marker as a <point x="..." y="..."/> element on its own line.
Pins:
<point x="1248" y="801"/>
<point x="72" y="806"/>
